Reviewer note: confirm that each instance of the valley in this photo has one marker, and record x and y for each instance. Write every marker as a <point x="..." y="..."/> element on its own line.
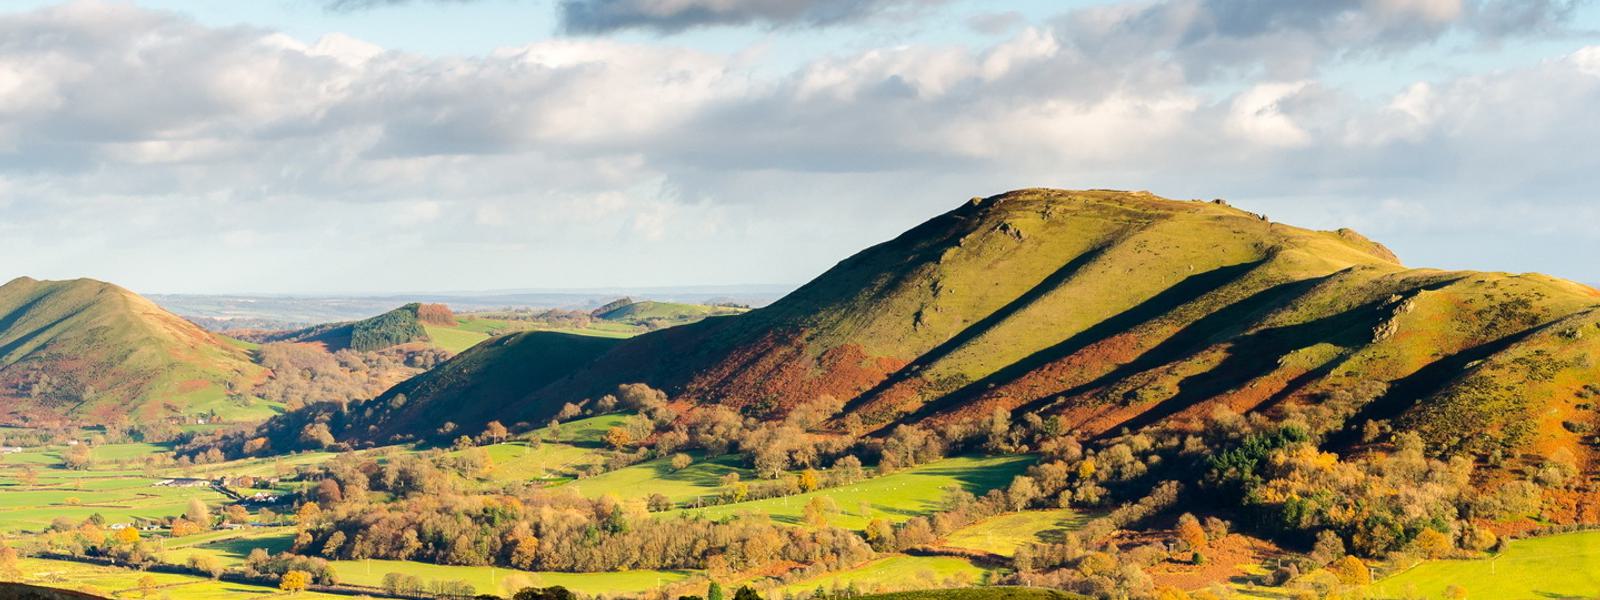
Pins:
<point x="1105" y="394"/>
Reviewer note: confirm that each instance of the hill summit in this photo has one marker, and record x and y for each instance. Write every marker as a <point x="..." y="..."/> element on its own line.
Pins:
<point x="1111" y="310"/>
<point x="89" y="351"/>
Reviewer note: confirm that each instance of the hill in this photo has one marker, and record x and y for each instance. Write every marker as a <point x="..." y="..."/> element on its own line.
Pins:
<point x="91" y="352"/>
<point x="404" y="325"/>
<point x="1116" y="310"/>
<point x="656" y="315"/>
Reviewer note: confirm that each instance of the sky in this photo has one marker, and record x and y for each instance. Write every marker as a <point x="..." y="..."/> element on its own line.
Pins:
<point x="372" y="146"/>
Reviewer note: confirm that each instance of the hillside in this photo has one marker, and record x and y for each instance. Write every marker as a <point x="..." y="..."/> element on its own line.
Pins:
<point x="1114" y="309"/>
<point x="397" y="327"/>
<point x="656" y="315"/>
<point x="91" y="352"/>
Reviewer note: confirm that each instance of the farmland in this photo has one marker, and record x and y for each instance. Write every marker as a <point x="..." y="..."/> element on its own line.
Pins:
<point x="1557" y="566"/>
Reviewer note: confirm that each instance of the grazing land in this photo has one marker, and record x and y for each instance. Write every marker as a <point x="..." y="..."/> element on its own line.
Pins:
<point x="895" y="497"/>
<point x="1002" y="534"/>
<point x="1557" y="566"/>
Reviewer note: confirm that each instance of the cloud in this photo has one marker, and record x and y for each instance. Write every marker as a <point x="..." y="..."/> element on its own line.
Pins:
<point x="672" y="16"/>
<point x="166" y="154"/>
<point x="1215" y="38"/>
<point x="359" y="5"/>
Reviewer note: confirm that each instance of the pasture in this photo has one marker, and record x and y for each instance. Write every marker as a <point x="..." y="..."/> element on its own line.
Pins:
<point x="895" y="497"/>
<point x="1001" y="534"/>
<point x="897" y="573"/>
<point x="1557" y="566"/>
<point x="113" y="582"/>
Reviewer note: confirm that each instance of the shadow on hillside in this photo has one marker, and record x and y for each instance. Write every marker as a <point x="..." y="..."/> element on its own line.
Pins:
<point x="1050" y="282"/>
<point x="1257" y="354"/>
<point x="1184" y="292"/>
<point x="1229" y="320"/>
<point x="1407" y="391"/>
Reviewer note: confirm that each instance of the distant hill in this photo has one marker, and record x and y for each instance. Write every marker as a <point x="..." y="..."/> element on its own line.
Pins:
<point x="89" y="352"/>
<point x="649" y="313"/>
<point x="1111" y="310"/>
<point x="404" y="325"/>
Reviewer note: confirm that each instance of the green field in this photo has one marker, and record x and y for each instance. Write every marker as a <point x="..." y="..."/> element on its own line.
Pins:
<point x="232" y="550"/>
<point x="124" y="583"/>
<point x="897" y="573"/>
<point x="895" y="497"/>
<point x="1003" y="533"/>
<point x="657" y="477"/>
<point x="1558" y="566"/>
<point x="470" y="330"/>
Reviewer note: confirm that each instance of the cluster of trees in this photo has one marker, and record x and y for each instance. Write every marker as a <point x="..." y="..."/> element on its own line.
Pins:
<point x="303" y="374"/>
<point x="535" y="529"/>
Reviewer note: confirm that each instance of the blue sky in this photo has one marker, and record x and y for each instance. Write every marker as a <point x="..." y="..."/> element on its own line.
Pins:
<point x="381" y="145"/>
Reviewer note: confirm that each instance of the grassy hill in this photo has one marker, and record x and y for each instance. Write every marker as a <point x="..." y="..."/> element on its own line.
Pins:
<point x="90" y="352"/>
<point x="397" y="327"/>
<point x="1118" y="309"/>
<point x="653" y="314"/>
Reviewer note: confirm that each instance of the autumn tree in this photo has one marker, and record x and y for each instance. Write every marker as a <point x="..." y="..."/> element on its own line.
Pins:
<point x="494" y="433"/>
<point x="294" y="581"/>
<point x="9" y="561"/>
<point x="618" y="438"/>
<point x="1351" y="571"/>
<point x="147" y="586"/>
<point x="680" y="461"/>
<point x="198" y="513"/>
<point x="1191" y="532"/>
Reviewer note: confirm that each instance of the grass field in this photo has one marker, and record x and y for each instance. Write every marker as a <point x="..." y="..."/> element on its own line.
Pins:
<point x="232" y="550"/>
<point x="896" y="573"/>
<point x="657" y="477"/>
<point x="1003" y="533"/>
<point x="1558" y="566"/>
<point x="895" y="497"/>
<point x="470" y="330"/>
<point x="124" y="583"/>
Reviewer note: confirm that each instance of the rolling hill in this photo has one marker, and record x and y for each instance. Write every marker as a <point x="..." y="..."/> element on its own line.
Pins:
<point x="86" y="351"/>
<point x="655" y="314"/>
<point x="1120" y="310"/>
<point x="404" y="325"/>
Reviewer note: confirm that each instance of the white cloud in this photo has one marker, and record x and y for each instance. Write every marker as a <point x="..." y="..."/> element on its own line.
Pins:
<point x="594" y="161"/>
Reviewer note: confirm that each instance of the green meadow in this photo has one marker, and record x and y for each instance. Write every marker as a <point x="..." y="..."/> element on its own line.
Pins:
<point x="1002" y="534"/>
<point x="895" y="497"/>
<point x="125" y="583"/>
<point x="1557" y="566"/>
<point x="897" y="573"/>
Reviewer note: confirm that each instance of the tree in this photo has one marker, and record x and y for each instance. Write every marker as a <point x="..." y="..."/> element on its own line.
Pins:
<point x="745" y="592"/>
<point x="308" y="512"/>
<point x="810" y="480"/>
<point x="147" y="586"/>
<point x="9" y="569"/>
<point x="127" y="536"/>
<point x="495" y="432"/>
<point x="818" y="509"/>
<point x="1328" y="548"/>
<point x="208" y="564"/>
<point x="294" y="581"/>
<point x="618" y="438"/>
<point x="198" y="513"/>
<point x="328" y="492"/>
<point x="184" y="527"/>
<point x="79" y="457"/>
<point x="680" y="461"/>
<point x="1434" y="544"/>
<point x="1351" y="571"/>
<point x="1022" y="492"/>
<point x="1191" y="532"/>
<point x="714" y="592"/>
